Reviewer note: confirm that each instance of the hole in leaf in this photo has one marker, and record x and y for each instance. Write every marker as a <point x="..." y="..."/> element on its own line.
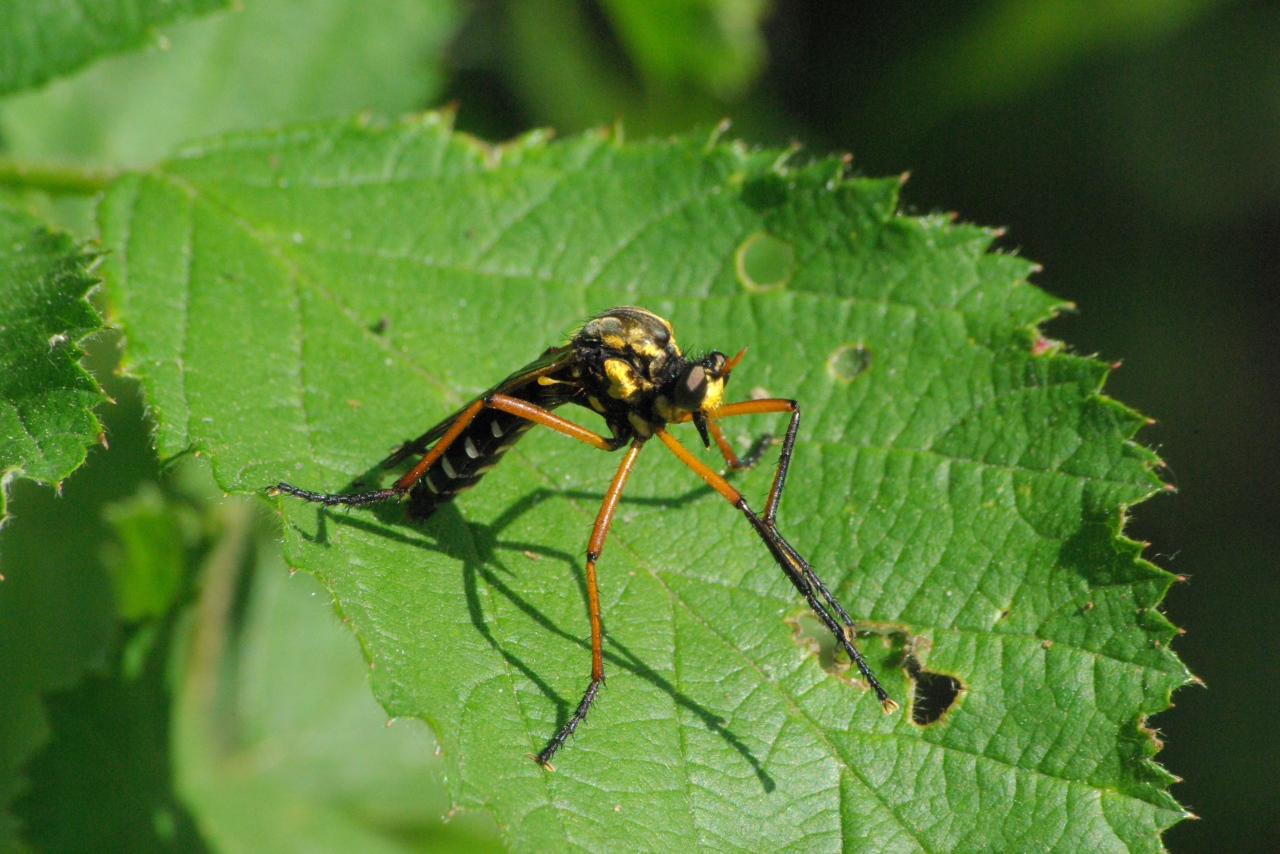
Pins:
<point x="848" y="362"/>
<point x="933" y="693"/>
<point x="764" y="262"/>
<point x="884" y="650"/>
<point x="813" y="636"/>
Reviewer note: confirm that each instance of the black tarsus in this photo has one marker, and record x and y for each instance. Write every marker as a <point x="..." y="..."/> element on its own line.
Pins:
<point x="754" y="453"/>
<point x="807" y="580"/>
<point x="333" y="499"/>
<point x="579" y="715"/>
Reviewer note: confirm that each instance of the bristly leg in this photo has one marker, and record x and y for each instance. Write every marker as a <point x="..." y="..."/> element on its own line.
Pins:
<point x="594" y="546"/>
<point x="333" y="499"/>
<point x="805" y="580"/>
<point x="579" y="715"/>
<point x="843" y="636"/>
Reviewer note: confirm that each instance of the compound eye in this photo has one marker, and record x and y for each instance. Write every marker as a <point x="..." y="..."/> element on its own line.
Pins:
<point x="692" y="389"/>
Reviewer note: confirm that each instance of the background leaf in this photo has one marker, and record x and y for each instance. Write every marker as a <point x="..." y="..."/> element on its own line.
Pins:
<point x="964" y="492"/>
<point x="46" y="398"/>
<point x="272" y="62"/>
<point x="41" y="39"/>
<point x="57" y="611"/>
<point x="279" y="745"/>
<point x="716" y="43"/>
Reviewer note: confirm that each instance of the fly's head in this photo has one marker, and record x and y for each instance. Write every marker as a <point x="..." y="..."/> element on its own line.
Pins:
<point x="698" y="389"/>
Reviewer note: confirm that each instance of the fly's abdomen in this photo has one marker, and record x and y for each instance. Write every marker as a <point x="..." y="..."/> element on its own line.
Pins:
<point x="489" y="435"/>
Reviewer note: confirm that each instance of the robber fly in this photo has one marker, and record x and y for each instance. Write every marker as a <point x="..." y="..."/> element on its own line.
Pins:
<point x="624" y="365"/>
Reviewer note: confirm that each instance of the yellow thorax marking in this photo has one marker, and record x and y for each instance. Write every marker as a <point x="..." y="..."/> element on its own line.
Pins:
<point x="623" y="382"/>
<point x="644" y="346"/>
<point x="642" y="428"/>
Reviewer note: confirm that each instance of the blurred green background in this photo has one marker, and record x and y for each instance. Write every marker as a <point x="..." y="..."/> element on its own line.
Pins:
<point x="1131" y="147"/>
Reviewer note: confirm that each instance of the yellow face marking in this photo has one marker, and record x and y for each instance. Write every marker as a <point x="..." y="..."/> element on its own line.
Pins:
<point x="715" y="393"/>
<point x="595" y="403"/>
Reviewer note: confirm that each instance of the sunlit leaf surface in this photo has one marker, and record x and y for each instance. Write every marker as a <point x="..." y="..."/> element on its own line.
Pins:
<point x="299" y="302"/>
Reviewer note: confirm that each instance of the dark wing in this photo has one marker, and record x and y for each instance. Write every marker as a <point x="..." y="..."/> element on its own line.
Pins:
<point x="549" y="362"/>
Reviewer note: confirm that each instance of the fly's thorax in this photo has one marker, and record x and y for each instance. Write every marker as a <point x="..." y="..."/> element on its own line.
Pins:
<point x="628" y="353"/>
<point x="635" y="374"/>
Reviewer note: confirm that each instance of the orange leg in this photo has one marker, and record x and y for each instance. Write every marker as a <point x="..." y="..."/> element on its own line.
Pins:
<point x="538" y="415"/>
<point x="505" y="403"/>
<point x="594" y="546"/>
<point x="797" y="570"/>
<point x="732" y="460"/>
<point x="757" y="407"/>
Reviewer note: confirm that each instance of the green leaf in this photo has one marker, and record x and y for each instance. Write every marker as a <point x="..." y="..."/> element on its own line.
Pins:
<point x="147" y="558"/>
<point x="46" y="398"/>
<point x="41" y="39"/>
<point x="57" y="614"/>
<point x="272" y="62"/>
<point x="299" y="302"/>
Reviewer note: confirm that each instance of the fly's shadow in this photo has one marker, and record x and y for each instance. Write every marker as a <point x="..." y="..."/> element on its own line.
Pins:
<point x="480" y="548"/>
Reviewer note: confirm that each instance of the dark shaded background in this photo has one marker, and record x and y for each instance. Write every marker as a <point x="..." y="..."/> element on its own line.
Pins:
<point x="1131" y="147"/>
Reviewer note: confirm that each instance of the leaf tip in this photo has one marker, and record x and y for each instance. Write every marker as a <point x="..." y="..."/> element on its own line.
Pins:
<point x="1044" y="345"/>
